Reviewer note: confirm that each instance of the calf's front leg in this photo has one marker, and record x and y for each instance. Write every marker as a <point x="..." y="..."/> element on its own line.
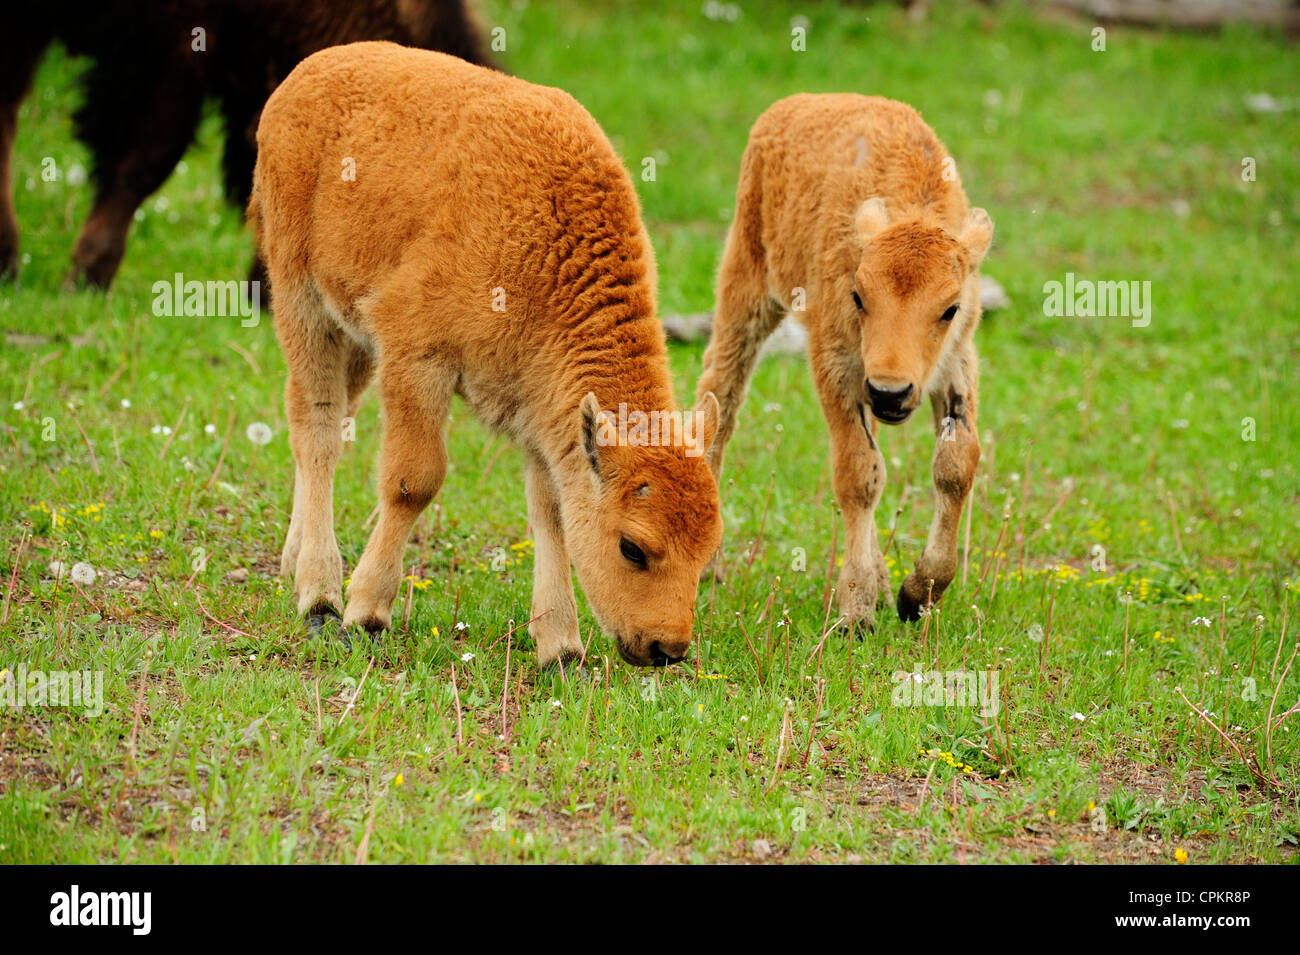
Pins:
<point x="859" y="479"/>
<point x="956" y="456"/>
<point x="554" y="625"/>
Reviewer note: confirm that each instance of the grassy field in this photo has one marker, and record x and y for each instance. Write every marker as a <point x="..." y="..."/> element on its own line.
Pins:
<point x="1123" y="496"/>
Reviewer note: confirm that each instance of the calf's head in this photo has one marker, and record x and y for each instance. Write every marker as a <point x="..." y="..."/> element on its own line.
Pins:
<point x="641" y="525"/>
<point x="915" y="291"/>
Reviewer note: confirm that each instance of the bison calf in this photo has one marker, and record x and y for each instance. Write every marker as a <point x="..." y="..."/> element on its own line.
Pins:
<point x="458" y="231"/>
<point x="851" y="216"/>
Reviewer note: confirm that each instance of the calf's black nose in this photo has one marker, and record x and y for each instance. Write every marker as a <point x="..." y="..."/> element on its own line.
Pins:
<point x="662" y="656"/>
<point x="887" y="402"/>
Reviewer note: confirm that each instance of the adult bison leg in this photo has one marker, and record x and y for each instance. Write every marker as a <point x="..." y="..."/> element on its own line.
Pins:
<point x="19" y="55"/>
<point x="136" y="136"/>
<point x="746" y="315"/>
<point x="416" y="395"/>
<point x="858" y="473"/>
<point x="956" y="456"/>
<point x="554" y="614"/>
<point x="241" y="109"/>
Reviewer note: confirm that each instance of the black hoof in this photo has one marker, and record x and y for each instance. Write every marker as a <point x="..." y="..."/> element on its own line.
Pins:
<point x="909" y="610"/>
<point x="320" y="618"/>
<point x="371" y="625"/>
<point x="371" y="630"/>
<point x="569" y="663"/>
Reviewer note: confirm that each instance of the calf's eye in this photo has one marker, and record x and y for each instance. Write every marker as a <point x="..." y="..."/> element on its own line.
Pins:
<point x="949" y="315"/>
<point x="857" y="300"/>
<point x="632" y="553"/>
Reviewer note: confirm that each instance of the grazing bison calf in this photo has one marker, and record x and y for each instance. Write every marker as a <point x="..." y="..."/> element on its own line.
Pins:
<point x="851" y="216"/>
<point x="459" y="231"/>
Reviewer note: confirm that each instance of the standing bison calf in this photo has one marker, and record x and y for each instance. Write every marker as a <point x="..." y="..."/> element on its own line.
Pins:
<point x="457" y="231"/>
<point x="851" y="215"/>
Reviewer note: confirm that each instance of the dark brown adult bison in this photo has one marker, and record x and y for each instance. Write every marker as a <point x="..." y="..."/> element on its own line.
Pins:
<point x="155" y="62"/>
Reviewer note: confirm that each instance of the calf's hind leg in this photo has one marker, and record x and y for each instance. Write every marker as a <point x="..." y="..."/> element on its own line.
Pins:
<point x="359" y="365"/>
<point x="412" y="464"/>
<point x="956" y="456"/>
<point x="746" y="315"/>
<point x="315" y="399"/>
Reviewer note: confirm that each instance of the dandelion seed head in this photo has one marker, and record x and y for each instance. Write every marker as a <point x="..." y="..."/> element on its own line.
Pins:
<point x="259" y="433"/>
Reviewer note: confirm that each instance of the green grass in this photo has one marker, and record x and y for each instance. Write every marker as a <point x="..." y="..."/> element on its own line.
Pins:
<point x="1123" y="164"/>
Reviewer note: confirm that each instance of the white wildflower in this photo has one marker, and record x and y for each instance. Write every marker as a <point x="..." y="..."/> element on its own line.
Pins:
<point x="259" y="433"/>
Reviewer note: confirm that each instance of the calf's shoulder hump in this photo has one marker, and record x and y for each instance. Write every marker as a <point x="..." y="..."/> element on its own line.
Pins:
<point x="403" y="83"/>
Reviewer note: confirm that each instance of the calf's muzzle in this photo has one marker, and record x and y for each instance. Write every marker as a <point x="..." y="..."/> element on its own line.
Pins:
<point x="891" y="402"/>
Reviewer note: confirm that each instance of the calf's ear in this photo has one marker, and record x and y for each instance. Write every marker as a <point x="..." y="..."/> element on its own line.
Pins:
<point x="706" y="422"/>
<point x="599" y="437"/>
<point x="596" y="434"/>
<point x="870" y="219"/>
<point x="976" y="234"/>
